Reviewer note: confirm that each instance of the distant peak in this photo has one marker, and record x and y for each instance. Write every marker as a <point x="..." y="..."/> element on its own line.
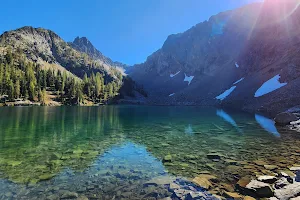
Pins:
<point x="82" y="40"/>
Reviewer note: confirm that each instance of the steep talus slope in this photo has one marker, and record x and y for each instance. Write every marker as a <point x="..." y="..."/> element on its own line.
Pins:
<point x="255" y="42"/>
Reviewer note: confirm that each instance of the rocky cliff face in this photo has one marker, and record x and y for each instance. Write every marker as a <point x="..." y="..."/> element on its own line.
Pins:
<point x="228" y="59"/>
<point x="84" y="45"/>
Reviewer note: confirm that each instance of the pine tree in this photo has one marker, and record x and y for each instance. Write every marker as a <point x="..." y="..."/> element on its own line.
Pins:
<point x="17" y="89"/>
<point x="11" y="90"/>
<point x="32" y="94"/>
<point x="42" y="96"/>
<point x="98" y="84"/>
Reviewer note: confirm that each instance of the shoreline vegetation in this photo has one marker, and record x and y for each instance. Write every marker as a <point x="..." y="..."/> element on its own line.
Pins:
<point x="25" y="83"/>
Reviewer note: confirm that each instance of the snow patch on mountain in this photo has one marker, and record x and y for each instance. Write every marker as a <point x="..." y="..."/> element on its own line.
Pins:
<point x="172" y="75"/>
<point x="269" y="86"/>
<point x="226" y="93"/>
<point x="238" y="81"/>
<point x="188" y="79"/>
<point x="237" y="65"/>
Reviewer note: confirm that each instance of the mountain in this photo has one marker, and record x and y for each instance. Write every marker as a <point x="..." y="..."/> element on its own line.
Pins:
<point x="36" y="60"/>
<point x="84" y="45"/>
<point x="46" y="47"/>
<point x="229" y="59"/>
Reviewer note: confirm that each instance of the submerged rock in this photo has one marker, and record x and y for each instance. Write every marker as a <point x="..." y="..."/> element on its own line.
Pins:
<point x="174" y="186"/>
<point x="285" y="118"/>
<point x="213" y="156"/>
<point x="260" y="162"/>
<point x="68" y="195"/>
<point x="167" y="158"/>
<point x="53" y="197"/>
<point x="162" y="180"/>
<point x="242" y="183"/>
<point x="248" y="198"/>
<point x="233" y="195"/>
<point x="45" y="177"/>
<point x="202" y="182"/>
<point x="271" y="167"/>
<point x="82" y="198"/>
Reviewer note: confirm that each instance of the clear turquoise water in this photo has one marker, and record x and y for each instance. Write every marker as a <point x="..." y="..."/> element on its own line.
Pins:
<point x="112" y="151"/>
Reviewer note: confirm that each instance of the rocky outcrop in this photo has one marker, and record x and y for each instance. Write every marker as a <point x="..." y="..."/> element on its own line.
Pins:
<point x="236" y="52"/>
<point x="82" y="44"/>
<point x="285" y="118"/>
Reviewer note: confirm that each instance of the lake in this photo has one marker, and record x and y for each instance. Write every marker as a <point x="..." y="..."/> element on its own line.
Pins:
<point x="133" y="152"/>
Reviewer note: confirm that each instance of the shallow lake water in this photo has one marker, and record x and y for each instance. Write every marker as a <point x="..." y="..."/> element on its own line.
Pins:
<point x="132" y="152"/>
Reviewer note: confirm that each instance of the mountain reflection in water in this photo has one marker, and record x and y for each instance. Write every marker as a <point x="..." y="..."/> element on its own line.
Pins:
<point x="102" y="150"/>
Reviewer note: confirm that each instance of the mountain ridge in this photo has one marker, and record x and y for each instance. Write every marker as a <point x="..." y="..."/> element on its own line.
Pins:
<point x="222" y="50"/>
<point x="83" y="44"/>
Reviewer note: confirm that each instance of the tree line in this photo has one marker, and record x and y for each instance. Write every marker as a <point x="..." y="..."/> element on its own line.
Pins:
<point x="27" y="80"/>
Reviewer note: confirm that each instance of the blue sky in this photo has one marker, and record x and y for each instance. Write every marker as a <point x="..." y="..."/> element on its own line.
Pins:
<point x="124" y="30"/>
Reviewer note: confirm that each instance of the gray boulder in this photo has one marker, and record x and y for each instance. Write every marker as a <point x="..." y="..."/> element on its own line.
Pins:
<point x="260" y="189"/>
<point x="288" y="192"/>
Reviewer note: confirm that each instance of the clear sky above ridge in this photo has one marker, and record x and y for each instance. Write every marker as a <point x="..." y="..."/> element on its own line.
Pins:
<point x="124" y="30"/>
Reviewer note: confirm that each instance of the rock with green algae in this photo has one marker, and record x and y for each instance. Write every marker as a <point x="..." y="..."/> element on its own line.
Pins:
<point x="231" y="162"/>
<point x="167" y="158"/>
<point x="68" y="195"/>
<point x="191" y="157"/>
<point x="53" y="197"/>
<point x="260" y="162"/>
<point x="45" y="177"/>
<point x="211" y="166"/>
<point x="13" y="163"/>
<point x="184" y="165"/>
<point x="57" y="162"/>
<point x="271" y="167"/>
<point x="192" y="162"/>
<point x="82" y="197"/>
<point x="40" y="167"/>
<point x="168" y="164"/>
<point x="55" y="156"/>
<point x="78" y="151"/>
<point x="33" y="181"/>
<point x="65" y="157"/>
